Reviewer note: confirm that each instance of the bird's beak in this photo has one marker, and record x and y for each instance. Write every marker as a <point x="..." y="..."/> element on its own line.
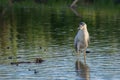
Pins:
<point x="80" y="27"/>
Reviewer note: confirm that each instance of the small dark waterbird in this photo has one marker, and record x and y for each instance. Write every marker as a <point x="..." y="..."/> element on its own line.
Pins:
<point x="81" y="39"/>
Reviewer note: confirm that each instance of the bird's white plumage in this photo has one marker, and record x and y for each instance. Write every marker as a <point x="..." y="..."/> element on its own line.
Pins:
<point x="82" y="38"/>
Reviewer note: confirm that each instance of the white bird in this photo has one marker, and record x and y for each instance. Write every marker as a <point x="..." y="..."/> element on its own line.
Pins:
<point x="82" y="39"/>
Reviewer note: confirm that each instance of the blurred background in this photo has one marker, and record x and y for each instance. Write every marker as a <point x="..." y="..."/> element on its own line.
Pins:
<point x="45" y="29"/>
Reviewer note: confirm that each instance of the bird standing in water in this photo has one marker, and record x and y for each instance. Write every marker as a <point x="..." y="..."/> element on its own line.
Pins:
<point x="81" y="39"/>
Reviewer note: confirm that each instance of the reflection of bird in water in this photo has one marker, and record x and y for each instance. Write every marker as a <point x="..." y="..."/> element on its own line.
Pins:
<point x="81" y="39"/>
<point x="82" y="70"/>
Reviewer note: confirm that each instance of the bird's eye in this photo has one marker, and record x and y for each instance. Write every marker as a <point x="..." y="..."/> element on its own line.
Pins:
<point x="82" y="23"/>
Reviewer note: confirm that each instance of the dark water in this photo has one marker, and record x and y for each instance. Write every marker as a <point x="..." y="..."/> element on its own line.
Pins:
<point x="48" y="33"/>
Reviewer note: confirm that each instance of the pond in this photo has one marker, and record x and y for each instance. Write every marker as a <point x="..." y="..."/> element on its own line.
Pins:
<point x="48" y="33"/>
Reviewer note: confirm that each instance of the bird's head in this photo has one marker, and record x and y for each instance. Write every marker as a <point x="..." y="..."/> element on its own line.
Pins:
<point x="82" y="26"/>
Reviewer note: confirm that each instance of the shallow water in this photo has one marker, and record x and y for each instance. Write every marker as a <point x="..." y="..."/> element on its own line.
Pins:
<point x="49" y="35"/>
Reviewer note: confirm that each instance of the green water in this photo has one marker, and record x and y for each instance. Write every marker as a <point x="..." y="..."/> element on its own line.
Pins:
<point x="46" y="31"/>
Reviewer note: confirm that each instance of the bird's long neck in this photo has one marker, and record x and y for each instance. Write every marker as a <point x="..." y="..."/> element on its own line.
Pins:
<point x="85" y="29"/>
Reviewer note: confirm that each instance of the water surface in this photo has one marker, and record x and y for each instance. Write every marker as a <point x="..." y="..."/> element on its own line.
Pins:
<point x="48" y="33"/>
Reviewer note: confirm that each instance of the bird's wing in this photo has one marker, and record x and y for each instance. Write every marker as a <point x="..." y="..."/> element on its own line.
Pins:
<point x="75" y="40"/>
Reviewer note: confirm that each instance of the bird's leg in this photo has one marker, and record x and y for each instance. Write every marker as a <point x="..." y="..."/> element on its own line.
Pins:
<point x="78" y="53"/>
<point x="85" y="55"/>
